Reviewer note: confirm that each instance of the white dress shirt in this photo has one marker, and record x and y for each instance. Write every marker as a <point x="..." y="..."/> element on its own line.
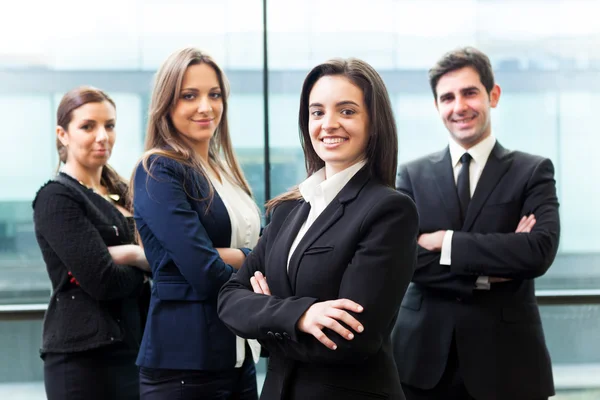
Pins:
<point x="480" y="154"/>
<point x="244" y="217"/>
<point x="319" y="191"/>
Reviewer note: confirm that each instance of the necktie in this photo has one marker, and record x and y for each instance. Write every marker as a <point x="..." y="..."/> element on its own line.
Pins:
<point x="463" y="186"/>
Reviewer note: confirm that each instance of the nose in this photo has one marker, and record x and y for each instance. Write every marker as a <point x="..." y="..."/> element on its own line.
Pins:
<point x="101" y="134"/>
<point x="330" y="122"/>
<point x="204" y="105"/>
<point x="460" y="105"/>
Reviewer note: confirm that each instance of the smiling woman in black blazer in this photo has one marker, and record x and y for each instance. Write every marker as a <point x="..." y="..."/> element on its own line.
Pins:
<point x="339" y="252"/>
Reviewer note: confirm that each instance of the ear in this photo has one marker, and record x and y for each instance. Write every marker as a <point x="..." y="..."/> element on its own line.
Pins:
<point x="62" y="135"/>
<point x="495" y="96"/>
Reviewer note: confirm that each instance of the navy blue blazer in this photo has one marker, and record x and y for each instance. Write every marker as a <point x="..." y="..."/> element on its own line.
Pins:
<point x="180" y="228"/>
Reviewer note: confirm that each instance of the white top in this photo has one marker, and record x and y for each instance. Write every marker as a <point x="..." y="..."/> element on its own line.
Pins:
<point x="244" y="217"/>
<point x="480" y="154"/>
<point x="319" y="191"/>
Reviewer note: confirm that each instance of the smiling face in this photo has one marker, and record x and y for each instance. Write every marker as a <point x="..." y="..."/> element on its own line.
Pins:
<point x="338" y="123"/>
<point x="464" y="106"/>
<point x="199" y="109"/>
<point x="90" y="135"/>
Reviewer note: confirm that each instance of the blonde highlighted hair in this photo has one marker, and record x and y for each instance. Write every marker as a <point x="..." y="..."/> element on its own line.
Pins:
<point x="163" y="139"/>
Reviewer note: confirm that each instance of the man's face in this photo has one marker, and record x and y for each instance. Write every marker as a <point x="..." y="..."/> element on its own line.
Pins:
<point x="464" y="106"/>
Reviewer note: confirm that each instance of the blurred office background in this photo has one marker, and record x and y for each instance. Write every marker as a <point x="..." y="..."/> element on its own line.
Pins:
<point x="546" y="55"/>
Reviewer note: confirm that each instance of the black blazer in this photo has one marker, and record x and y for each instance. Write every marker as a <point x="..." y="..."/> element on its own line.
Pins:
<point x="73" y="227"/>
<point x="362" y="247"/>
<point x="501" y="349"/>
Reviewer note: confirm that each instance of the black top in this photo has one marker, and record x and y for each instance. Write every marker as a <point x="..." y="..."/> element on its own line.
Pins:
<point x="74" y="226"/>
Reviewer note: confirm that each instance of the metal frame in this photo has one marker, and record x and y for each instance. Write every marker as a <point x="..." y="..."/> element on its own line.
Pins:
<point x="13" y="312"/>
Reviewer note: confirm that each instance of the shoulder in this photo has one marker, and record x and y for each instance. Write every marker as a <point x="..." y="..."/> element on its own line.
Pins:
<point x="50" y="191"/>
<point x="419" y="163"/>
<point x="383" y="201"/>
<point x="283" y="209"/>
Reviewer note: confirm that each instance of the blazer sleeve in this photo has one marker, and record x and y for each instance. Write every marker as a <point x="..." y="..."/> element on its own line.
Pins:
<point x="61" y="221"/>
<point x="429" y="272"/>
<point x="161" y="201"/>
<point x="255" y="316"/>
<point x="515" y="255"/>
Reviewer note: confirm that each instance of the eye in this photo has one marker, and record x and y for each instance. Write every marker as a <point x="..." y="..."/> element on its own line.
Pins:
<point x="316" y="113"/>
<point x="86" y="127"/>
<point x="188" y="96"/>
<point x="348" y="112"/>
<point x="216" y="95"/>
<point x="110" y="126"/>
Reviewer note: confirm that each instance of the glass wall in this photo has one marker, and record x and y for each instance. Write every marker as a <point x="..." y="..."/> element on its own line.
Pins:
<point x="546" y="56"/>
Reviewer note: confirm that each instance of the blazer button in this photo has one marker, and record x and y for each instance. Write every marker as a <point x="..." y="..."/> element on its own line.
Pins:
<point x="286" y="336"/>
<point x="270" y="334"/>
<point x="459" y="299"/>
<point x="278" y="336"/>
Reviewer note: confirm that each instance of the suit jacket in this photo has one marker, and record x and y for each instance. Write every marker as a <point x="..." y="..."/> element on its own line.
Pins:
<point x="362" y="247"/>
<point x="499" y="337"/>
<point x="180" y="228"/>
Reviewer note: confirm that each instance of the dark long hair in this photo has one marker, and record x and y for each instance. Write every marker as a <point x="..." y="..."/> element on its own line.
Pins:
<point x="71" y="101"/>
<point x="382" y="147"/>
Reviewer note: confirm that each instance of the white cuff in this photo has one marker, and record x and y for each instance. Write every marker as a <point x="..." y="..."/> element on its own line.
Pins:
<point x="446" y="256"/>
<point x="482" y="283"/>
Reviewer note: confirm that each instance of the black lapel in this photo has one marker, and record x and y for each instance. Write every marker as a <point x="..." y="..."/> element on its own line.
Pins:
<point x="495" y="168"/>
<point x="444" y="177"/>
<point x="283" y="243"/>
<point x="328" y="217"/>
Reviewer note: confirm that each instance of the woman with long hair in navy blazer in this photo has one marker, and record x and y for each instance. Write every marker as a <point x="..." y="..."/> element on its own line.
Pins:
<point x="322" y="288"/>
<point x="197" y="221"/>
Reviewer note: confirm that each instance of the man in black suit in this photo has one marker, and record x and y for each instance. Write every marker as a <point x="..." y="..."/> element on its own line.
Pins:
<point x="469" y="326"/>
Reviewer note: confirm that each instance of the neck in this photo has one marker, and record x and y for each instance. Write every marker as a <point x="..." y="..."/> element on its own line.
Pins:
<point x="333" y="168"/>
<point x="89" y="177"/>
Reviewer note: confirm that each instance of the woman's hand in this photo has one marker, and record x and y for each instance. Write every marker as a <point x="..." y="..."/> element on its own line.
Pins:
<point x="233" y="257"/>
<point x="129" y="254"/>
<point x="259" y="284"/>
<point x="326" y="314"/>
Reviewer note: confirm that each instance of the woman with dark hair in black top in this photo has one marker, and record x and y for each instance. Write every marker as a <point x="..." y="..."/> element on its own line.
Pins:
<point x="84" y="228"/>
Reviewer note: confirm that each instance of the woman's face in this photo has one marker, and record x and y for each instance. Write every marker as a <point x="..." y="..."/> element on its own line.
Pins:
<point x="91" y="134"/>
<point x="338" y="122"/>
<point x="199" y="109"/>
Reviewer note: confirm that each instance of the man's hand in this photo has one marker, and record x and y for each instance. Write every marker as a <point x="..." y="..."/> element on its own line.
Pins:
<point x="259" y="284"/>
<point x="526" y="224"/>
<point x="432" y="241"/>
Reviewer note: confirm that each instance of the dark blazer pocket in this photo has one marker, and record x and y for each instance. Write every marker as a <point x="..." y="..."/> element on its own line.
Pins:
<point x="412" y="300"/>
<point x="175" y="291"/>
<point x="318" y="250"/>
<point x="528" y="314"/>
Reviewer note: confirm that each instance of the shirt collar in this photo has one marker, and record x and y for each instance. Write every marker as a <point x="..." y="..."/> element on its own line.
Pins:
<point x="317" y="185"/>
<point x="480" y="152"/>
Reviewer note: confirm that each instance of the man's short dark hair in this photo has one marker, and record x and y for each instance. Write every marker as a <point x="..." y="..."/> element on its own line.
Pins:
<point x="458" y="59"/>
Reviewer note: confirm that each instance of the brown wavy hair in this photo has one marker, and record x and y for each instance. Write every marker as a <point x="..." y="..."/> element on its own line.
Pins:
<point x="71" y="101"/>
<point x="382" y="147"/>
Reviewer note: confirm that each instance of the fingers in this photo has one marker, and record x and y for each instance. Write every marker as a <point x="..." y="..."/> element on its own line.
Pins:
<point x="526" y="224"/>
<point x="343" y="316"/>
<point x="259" y="284"/>
<point x="321" y="337"/>
<point x="255" y="286"/>
<point x="262" y="282"/>
<point x="494" y="279"/>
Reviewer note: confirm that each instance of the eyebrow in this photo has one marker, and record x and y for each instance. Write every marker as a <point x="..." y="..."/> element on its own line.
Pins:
<point x="196" y="90"/>
<point x="341" y="103"/>
<point x="87" y="121"/>
<point x="462" y="90"/>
